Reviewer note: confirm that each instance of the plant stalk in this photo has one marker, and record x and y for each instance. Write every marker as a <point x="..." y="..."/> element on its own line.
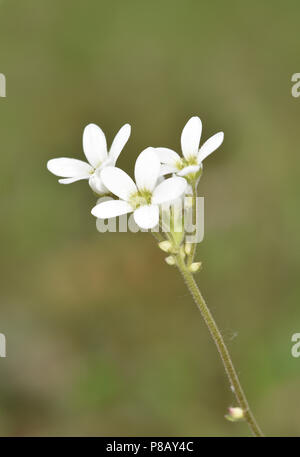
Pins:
<point x="221" y="346"/>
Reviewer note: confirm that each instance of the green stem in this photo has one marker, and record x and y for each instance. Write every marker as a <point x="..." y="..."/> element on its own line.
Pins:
<point x="218" y="339"/>
<point x="158" y="236"/>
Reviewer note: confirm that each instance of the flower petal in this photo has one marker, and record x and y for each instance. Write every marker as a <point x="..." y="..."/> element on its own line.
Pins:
<point x="189" y="169"/>
<point x="166" y="169"/>
<point x="119" y="142"/>
<point x="94" y="145"/>
<point x="96" y="184"/>
<point x="147" y="216"/>
<point x="210" y="146"/>
<point x="69" y="168"/>
<point x="70" y="180"/>
<point x="190" y="137"/>
<point x="146" y="170"/>
<point x="167" y="156"/>
<point x="111" y="208"/>
<point x="169" y="190"/>
<point x="118" y="182"/>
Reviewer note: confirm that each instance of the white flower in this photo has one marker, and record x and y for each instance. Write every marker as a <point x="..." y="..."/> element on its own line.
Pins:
<point x="144" y="197"/>
<point x="192" y="159"/>
<point x="95" y="150"/>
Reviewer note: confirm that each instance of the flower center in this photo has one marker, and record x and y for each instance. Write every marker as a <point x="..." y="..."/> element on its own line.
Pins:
<point x="141" y="198"/>
<point x="101" y="165"/>
<point x="182" y="163"/>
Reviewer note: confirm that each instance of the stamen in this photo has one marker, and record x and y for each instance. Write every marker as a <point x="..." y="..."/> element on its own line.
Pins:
<point x="141" y="198"/>
<point x="181" y="164"/>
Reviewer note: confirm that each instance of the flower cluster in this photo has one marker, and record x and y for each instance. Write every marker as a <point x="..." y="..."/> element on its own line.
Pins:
<point x="151" y="188"/>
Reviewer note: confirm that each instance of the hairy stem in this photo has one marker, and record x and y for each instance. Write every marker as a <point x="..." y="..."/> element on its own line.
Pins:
<point x="221" y="346"/>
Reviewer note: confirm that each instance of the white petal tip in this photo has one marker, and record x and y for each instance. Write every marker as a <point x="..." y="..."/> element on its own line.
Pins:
<point x="195" y="118"/>
<point x="190" y="137"/>
<point x="127" y="127"/>
<point x="50" y="165"/>
<point x="188" y="170"/>
<point x="221" y="136"/>
<point x="91" y="125"/>
<point x="210" y="146"/>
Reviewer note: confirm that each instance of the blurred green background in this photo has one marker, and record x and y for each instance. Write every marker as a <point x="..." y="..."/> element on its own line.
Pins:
<point x="102" y="336"/>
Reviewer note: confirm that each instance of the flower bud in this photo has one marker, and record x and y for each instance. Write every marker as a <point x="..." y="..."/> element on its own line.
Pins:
<point x="165" y="246"/>
<point x="194" y="267"/>
<point x="170" y="260"/>
<point x="235" y="414"/>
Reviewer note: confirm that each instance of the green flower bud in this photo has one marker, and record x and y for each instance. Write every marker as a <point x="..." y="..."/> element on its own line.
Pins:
<point x="235" y="414"/>
<point x="170" y="260"/>
<point x="165" y="246"/>
<point x="194" y="267"/>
